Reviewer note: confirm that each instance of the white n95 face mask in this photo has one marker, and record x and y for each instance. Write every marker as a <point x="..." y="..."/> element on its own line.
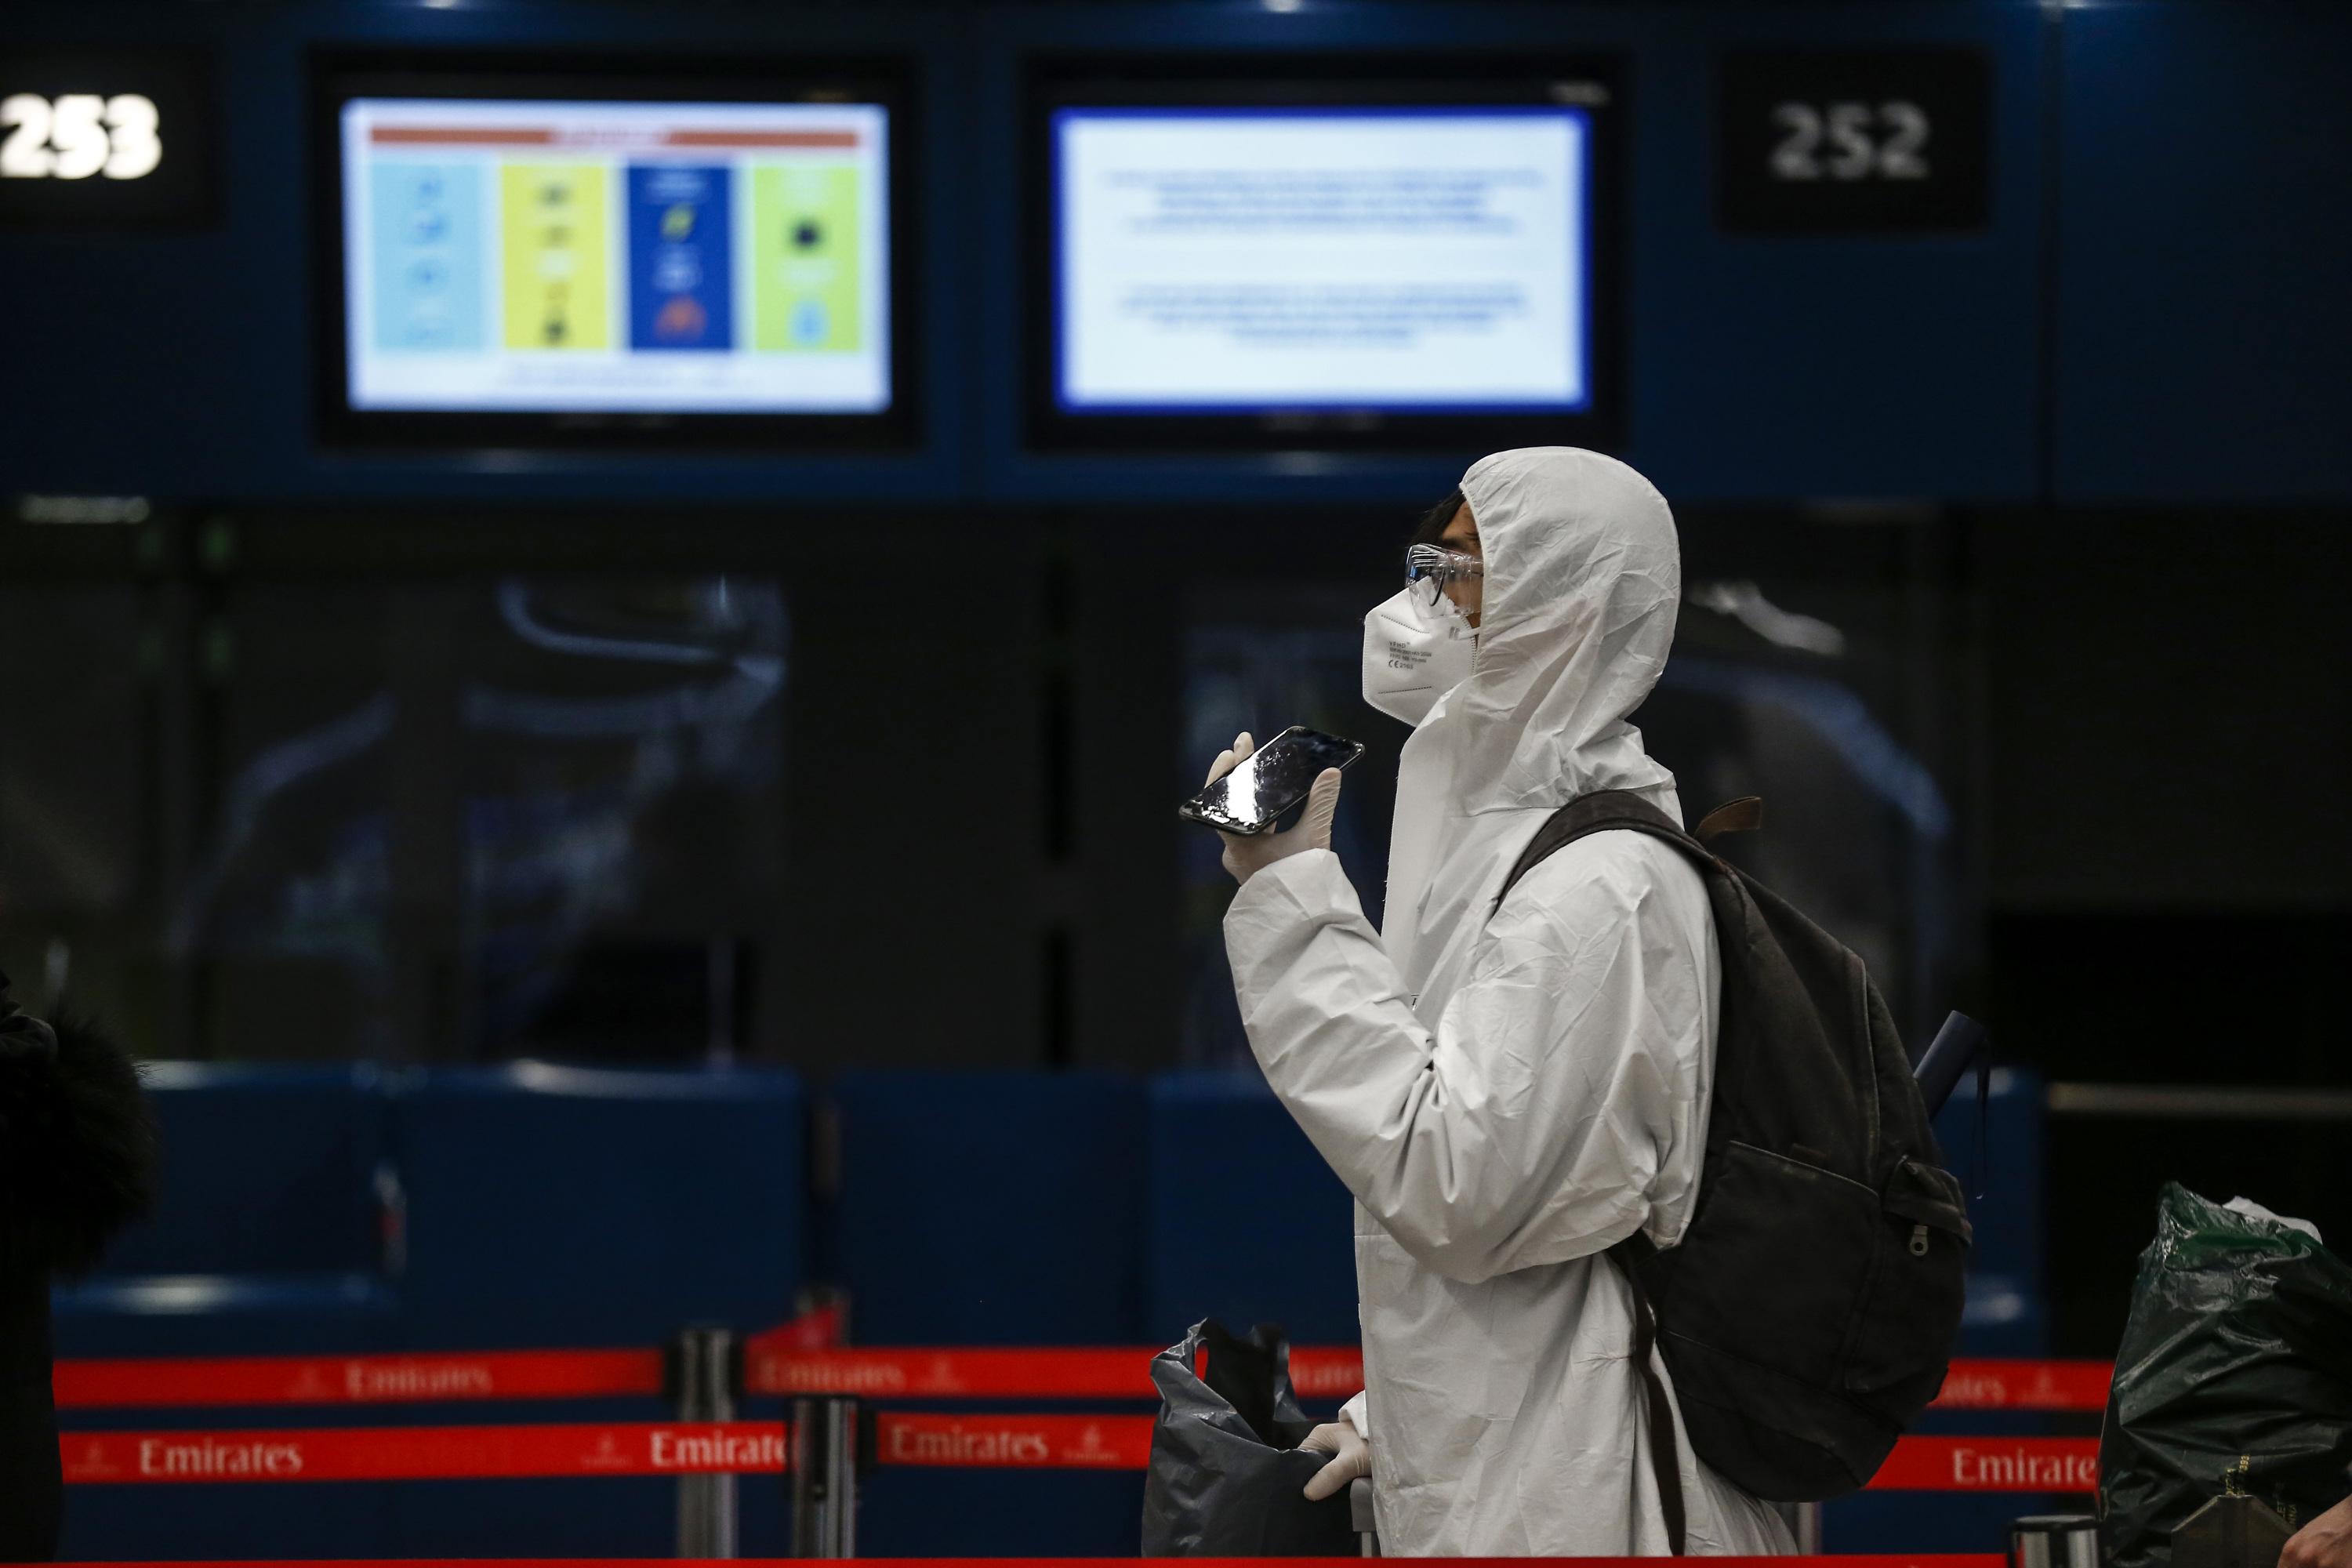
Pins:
<point x="1415" y="651"/>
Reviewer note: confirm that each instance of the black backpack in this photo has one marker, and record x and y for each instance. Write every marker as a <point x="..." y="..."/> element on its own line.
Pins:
<point x="1808" y="1311"/>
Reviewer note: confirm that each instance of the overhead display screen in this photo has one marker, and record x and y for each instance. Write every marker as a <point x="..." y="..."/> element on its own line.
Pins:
<point x="1277" y="254"/>
<point x="616" y="255"/>
<point x="572" y="257"/>
<point x="1323" y="258"/>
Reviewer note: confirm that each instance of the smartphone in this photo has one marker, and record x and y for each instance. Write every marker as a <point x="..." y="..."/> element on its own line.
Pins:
<point x="1270" y="781"/>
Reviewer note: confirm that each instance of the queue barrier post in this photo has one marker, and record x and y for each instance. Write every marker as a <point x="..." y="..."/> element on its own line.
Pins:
<point x="1359" y="1510"/>
<point x="825" y="1453"/>
<point x="2055" y="1541"/>
<point x="704" y="1378"/>
<point x="1805" y="1524"/>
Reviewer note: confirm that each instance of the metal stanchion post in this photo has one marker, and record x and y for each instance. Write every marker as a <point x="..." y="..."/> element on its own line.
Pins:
<point x="824" y="1441"/>
<point x="704" y="1377"/>
<point x="2055" y="1541"/>
<point x="1807" y="1528"/>
<point x="1359" y="1509"/>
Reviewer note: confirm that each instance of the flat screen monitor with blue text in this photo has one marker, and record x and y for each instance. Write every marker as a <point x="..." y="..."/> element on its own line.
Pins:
<point x="1262" y="260"/>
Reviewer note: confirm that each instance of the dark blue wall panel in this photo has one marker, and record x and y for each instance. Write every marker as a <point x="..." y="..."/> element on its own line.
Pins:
<point x="2194" y="286"/>
<point x="546" y="1207"/>
<point x="1754" y="367"/>
<point x="532" y="1221"/>
<point x="990" y="1208"/>
<point x="267" y="1229"/>
<point x="182" y="366"/>
<point x="2205" y="306"/>
<point x="265" y="1170"/>
<point x="1246" y="1223"/>
<point x="1795" y="367"/>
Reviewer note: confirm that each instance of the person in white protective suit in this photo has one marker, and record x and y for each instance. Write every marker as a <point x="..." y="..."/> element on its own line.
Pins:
<point x="1505" y="1091"/>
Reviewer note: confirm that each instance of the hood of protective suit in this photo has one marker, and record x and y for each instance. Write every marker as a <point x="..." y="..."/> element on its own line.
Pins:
<point x="1583" y="579"/>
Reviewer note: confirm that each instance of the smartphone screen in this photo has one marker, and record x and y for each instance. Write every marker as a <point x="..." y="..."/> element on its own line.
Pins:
<point x="1270" y="781"/>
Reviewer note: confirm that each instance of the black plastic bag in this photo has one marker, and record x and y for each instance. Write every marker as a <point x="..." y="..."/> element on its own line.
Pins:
<point x="2234" y="1379"/>
<point x="1227" y="1479"/>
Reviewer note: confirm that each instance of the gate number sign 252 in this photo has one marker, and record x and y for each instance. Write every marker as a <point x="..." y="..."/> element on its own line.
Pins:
<point x="79" y="134"/>
<point x="1851" y="142"/>
<point x="1854" y="141"/>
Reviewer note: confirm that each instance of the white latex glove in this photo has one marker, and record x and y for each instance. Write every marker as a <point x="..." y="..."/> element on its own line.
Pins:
<point x="1351" y="1459"/>
<point x="1247" y="854"/>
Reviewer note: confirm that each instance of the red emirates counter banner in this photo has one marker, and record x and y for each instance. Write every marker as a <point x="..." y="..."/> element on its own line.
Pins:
<point x="946" y="1373"/>
<point x="1124" y="1442"/>
<point x="424" y="1453"/>
<point x="2026" y="1385"/>
<point x="926" y="1441"/>
<point x="1014" y="1442"/>
<point x="819" y="1328"/>
<point x="1991" y="1465"/>
<point x="794" y="1360"/>
<point x="959" y="1374"/>
<point x="229" y="1382"/>
<point x="1987" y="1559"/>
<point x="1315" y="1372"/>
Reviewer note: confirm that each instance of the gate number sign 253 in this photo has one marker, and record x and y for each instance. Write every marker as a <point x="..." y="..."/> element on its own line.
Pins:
<point x="79" y="134"/>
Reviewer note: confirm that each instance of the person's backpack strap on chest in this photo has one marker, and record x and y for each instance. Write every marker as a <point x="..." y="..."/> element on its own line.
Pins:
<point x="1612" y="809"/>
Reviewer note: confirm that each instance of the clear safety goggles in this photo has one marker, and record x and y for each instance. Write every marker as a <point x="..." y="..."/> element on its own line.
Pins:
<point x="1429" y="569"/>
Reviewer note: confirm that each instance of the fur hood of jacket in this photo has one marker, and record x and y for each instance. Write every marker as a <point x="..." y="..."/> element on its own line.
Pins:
<point x="77" y="1143"/>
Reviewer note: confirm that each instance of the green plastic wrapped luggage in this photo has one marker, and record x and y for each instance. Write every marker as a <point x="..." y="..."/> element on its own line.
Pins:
<point x="2234" y="1378"/>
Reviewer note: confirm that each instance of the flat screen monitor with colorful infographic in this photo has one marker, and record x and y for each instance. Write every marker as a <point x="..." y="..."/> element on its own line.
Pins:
<point x="656" y="261"/>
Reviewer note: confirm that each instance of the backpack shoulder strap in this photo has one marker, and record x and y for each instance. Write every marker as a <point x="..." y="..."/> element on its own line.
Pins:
<point x="1601" y="813"/>
<point x="1658" y="1423"/>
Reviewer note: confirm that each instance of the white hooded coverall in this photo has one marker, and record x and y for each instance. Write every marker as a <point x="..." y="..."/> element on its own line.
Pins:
<point x="1509" y="1092"/>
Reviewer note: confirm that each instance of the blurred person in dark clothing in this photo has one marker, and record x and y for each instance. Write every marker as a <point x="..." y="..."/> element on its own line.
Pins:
<point x="76" y="1161"/>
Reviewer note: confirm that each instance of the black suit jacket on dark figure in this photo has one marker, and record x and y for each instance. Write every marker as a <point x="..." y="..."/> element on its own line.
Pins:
<point x="76" y="1161"/>
<point x="29" y="1479"/>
